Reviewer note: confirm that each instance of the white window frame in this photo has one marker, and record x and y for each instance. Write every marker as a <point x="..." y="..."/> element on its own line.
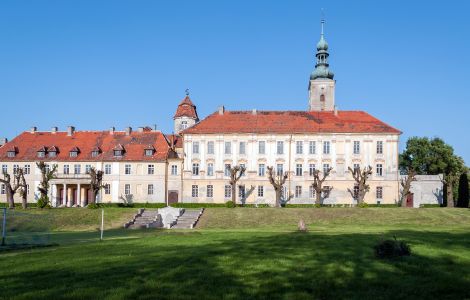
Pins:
<point x="326" y="147"/>
<point x="195" y="191"/>
<point x="195" y="147"/>
<point x="356" y="147"/>
<point x="262" y="147"/>
<point x="210" y="147"/>
<point x="210" y="191"/>
<point x="280" y="147"/>
<point x="150" y="169"/>
<point x="127" y="169"/>
<point x="261" y="170"/>
<point x="127" y="189"/>
<point x="210" y="169"/>
<point x="108" y="169"/>
<point x="150" y="189"/>
<point x="260" y="191"/>
<point x="299" y="147"/>
<point x="195" y="169"/>
<point x="298" y="170"/>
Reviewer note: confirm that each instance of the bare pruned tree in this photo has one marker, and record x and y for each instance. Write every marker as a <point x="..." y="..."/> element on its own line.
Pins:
<point x="96" y="179"/>
<point x="236" y="173"/>
<point x="318" y="179"/>
<point x="47" y="174"/>
<point x="277" y="181"/>
<point x="361" y="177"/>
<point x="406" y="185"/>
<point x="12" y="187"/>
<point x="23" y="191"/>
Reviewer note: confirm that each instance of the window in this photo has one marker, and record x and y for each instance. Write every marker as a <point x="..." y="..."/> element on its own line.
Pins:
<point x="3" y="191"/>
<point x="210" y="169"/>
<point x="118" y="153"/>
<point x="66" y="169"/>
<point x="242" y="148"/>
<point x="210" y="191"/>
<point x="227" y="170"/>
<point x="87" y="169"/>
<point x="107" y="169"/>
<point x="356" y="191"/>
<point x="11" y="154"/>
<point x="379" y="192"/>
<point x="148" y="152"/>
<point x="242" y="166"/>
<point x="261" y="170"/>
<point x="27" y="169"/>
<point x="71" y="153"/>
<point x="356" y="166"/>
<point x="127" y="189"/>
<point x="195" y="169"/>
<point x="127" y="169"/>
<point x="53" y="154"/>
<point x="47" y="168"/>
<point x="184" y="125"/>
<point x="195" y="147"/>
<point x="298" y="170"/>
<point x="150" y="189"/>
<point x="107" y="189"/>
<point x="95" y="153"/>
<point x="311" y="169"/>
<point x="379" y="169"/>
<point x="210" y="147"/>
<point x="228" y="148"/>
<point x="150" y="169"/>
<point x="299" y="147"/>
<point x="41" y="154"/>
<point x="312" y="147"/>
<point x="241" y="191"/>
<point x="15" y="169"/>
<point x="4" y="169"/>
<point x="311" y="192"/>
<point x="380" y="147"/>
<point x="195" y="191"/>
<point x="280" y="147"/>
<point x="261" y="147"/>
<point x="228" y="191"/>
<point x="280" y="169"/>
<point x="326" y="147"/>
<point x="325" y="168"/>
<point x="356" y="147"/>
<point x="298" y="191"/>
<point x="77" y="169"/>
<point x="174" y="170"/>
<point x="260" y="191"/>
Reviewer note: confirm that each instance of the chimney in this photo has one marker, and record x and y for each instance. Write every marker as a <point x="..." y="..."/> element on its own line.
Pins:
<point x="111" y="130"/>
<point x="128" y="130"/>
<point x="254" y="112"/>
<point x="54" y="129"/>
<point x="3" y="141"/>
<point x="221" y="110"/>
<point x="141" y="129"/>
<point x="33" y="129"/>
<point x="70" y="130"/>
<point x="336" y="111"/>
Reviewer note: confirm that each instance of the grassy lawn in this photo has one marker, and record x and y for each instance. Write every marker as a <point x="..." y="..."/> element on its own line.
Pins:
<point x="253" y="253"/>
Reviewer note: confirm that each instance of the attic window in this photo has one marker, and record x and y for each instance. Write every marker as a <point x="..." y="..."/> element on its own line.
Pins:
<point x="41" y="154"/>
<point x="52" y="153"/>
<point x="95" y="152"/>
<point x="74" y="152"/>
<point x="149" y="150"/>
<point x="11" y="153"/>
<point x="118" y="153"/>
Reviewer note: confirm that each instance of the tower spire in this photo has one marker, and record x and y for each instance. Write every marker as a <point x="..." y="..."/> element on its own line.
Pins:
<point x="322" y="67"/>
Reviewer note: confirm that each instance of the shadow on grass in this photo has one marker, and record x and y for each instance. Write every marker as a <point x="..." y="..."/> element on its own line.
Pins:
<point x="162" y="265"/>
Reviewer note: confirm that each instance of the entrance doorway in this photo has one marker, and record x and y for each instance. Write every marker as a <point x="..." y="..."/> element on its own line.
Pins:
<point x="172" y="197"/>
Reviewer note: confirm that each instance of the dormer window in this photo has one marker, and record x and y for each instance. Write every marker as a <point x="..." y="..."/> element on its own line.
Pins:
<point x="74" y="152"/>
<point x="42" y="152"/>
<point x="118" y="151"/>
<point x="12" y="152"/>
<point x="52" y="152"/>
<point x="95" y="152"/>
<point x="149" y="150"/>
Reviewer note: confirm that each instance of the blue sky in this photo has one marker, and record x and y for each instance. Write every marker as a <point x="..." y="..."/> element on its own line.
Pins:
<point x="96" y="64"/>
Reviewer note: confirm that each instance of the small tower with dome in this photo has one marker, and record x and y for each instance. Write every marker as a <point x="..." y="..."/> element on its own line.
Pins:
<point x="321" y="87"/>
<point x="186" y="114"/>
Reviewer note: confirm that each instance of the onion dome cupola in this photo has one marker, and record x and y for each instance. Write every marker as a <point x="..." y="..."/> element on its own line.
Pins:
<point x="322" y="67"/>
<point x="186" y="114"/>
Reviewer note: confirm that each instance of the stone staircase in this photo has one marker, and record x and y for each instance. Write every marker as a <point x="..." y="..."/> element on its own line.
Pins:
<point x="188" y="219"/>
<point x="145" y="219"/>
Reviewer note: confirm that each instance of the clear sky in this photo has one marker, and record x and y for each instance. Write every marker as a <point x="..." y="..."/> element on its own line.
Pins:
<point x="96" y="64"/>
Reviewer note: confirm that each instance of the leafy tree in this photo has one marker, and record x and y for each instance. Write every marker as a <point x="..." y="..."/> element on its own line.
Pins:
<point x="361" y="177"/>
<point x="47" y="174"/>
<point x="236" y="173"/>
<point x="277" y="183"/>
<point x="432" y="157"/>
<point x="318" y="185"/>
<point x="463" y="199"/>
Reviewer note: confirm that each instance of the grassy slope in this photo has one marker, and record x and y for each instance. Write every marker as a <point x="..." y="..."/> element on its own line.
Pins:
<point x="259" y="259"/>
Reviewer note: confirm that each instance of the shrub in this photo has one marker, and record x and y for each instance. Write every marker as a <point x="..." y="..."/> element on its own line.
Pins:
<point x="363" y="205"/>
<point x="94" y="205"/>
<point x="229" y="204"/>
<point x="43" y="202"/>
<point x="429" y="205"/>
<point x="392" y="248"/>
<point x="197" y="205"/>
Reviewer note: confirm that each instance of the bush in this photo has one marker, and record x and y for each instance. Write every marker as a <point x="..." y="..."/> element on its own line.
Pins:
<point x="43" y="202"/>
<point x="392" y="248"/>
<point x="94" y="205"/>
<point x="363" y="205"/>
<point x="429" y="205"/>
<point x="229" y="204"/>
<point x="197" y="205"/>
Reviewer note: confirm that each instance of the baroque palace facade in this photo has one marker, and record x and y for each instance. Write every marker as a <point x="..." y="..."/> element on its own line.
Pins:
<point x="149" y="166"/>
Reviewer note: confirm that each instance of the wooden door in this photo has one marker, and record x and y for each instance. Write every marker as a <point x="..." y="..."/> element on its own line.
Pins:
<point x="409" y="200"/>
<point x="172" y="197"/>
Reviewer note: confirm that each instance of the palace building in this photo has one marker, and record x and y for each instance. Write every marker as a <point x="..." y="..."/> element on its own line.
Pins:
<point x="192" y="166"/>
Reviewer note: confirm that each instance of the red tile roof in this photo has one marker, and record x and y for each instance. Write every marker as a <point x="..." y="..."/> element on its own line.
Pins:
<point x="186" y="109"/>
<point x="291" y="122"/>
<point x="28" y="144"/>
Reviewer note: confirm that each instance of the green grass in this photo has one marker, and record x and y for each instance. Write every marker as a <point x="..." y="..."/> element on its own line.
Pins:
<point x="247" y="253"/>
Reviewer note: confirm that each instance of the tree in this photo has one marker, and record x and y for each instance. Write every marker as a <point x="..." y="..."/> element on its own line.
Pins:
<point x="277" y="182"/>
<point x="96" y="179"/>
<point x="463" y="199"/>
<point x="318" y="185"/>
<point x="12" y="187"/>
<point x="361" y="177"/>
<point x="23" y="191"/>
<point x="47" y="174"/>
<point x="236" y="173"/>
<point x="432" y="157"/>
<point x="406" y="185"/>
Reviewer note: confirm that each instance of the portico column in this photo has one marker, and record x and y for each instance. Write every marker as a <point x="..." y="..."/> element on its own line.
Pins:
<point x="79" y="194"/>
<point x="64" y="195"/>
<point x="69" y="197"/>
<point x="54" y="195"/>
<point x="82" y="196"/>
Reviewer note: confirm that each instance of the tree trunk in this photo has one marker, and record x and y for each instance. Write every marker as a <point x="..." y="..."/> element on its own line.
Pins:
<point x="317" y="198"/>
<point x="234" y="194"/>
<point x="450" y="194"/>
<point x="278" y="197"/>
<point x="10" y="194"/>
<point x="24" y="200"/>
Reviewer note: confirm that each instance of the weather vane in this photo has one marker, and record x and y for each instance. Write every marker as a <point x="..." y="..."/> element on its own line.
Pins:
<point x="187" y="92"/>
